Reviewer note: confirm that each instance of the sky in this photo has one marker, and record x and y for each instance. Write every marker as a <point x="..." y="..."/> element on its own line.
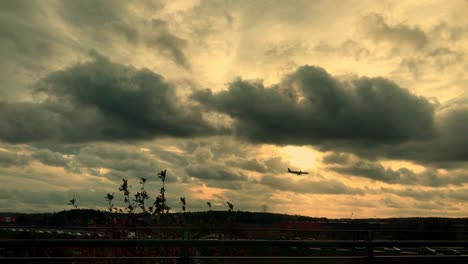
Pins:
<point x="370" y="97"/>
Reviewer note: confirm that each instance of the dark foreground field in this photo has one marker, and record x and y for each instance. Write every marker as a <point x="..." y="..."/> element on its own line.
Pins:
<point x="86" y="236"/>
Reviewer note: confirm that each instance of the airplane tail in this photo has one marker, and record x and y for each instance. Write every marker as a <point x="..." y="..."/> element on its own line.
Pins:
<point x="289" y="170"/>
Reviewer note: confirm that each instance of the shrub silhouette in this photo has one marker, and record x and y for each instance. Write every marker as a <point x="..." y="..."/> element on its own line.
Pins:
<point x="73" y="202"/>
<point x="142" y="196"/>
<point x="231" y="206"/>
<point x="109" y="197"/>
<point x="125" y="188"/>
<point x="159" y="204"/>
<point x="182" y="201"/>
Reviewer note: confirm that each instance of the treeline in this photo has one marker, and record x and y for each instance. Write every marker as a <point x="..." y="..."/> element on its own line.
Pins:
<point x="87" y="217"/>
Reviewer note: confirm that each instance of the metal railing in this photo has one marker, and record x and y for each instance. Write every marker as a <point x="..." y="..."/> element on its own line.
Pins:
<point x="367" y="245"/>
<point x="195" y="243"/>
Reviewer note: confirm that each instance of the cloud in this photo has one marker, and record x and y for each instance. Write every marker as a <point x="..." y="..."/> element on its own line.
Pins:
<point x="399" y="35"/>
<point x="270" y="165"/>
<point x="153" y="34"/>
<point x="449" y="33"/>
<point x="50" y="158"/>
<point x="440" y="59"/>
<point x="309" y="186"/>
<point x="101" y="100"/>
<point x="172" y="46"/>
<point x="370" y="117"/>
<point x="8" y="159"/>
<point x="123" y="158"/>
<point x="247" y="164"/>
<point x="215" y="173"/>
<point x="31" y="45"/>
<point x="336" y="158"/>
<point x="310" y="106"/>
<point x="347" y="48"/>
<point x="448" y="146"/>
<point x="428" y="177"/>
<point x="285" y="50"/>
<point x="91" y="13"/>
<point x="457" y="195"/>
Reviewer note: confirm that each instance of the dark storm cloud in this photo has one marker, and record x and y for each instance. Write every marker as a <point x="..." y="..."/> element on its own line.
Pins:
<point x="309" y="186"/>
<point x="310" y="106"/>
<point x="401" y="34"/>
<point x="454" y="128"/>
<point x="448" y="146"/>
<point x="100" y="100"/>
<point x="21" y="122"/>
<point x="370" y="117"/>
<point x="336" y="158"/>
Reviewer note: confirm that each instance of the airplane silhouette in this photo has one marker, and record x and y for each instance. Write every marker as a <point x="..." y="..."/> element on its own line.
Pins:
<point x="297" y="172"/>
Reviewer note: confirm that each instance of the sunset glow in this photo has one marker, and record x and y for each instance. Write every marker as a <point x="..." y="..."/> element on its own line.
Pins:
<point x="369" y="97"/>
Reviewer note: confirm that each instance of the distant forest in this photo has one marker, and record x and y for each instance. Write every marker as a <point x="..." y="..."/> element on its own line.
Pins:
<point x="227" y="219"/>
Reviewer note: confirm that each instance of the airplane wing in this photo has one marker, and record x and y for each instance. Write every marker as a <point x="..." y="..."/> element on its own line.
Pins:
<point x="297" y="172"/>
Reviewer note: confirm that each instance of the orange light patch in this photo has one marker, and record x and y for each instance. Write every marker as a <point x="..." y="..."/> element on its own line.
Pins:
<point x="205" y="192"/>
<point x="174" y="149"/>
<point x="103" y="171"/>
<point x="301" y="158"/>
